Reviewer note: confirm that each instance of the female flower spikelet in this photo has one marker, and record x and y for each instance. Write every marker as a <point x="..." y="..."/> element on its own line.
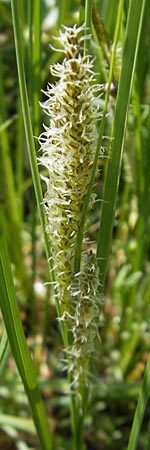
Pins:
<point x="68" y="148"/>
<point x="86" y="305"/>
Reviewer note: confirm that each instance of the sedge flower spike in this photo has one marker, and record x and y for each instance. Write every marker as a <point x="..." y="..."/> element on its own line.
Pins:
<point x="84" y="322"/>
<point x="68" y="147"/>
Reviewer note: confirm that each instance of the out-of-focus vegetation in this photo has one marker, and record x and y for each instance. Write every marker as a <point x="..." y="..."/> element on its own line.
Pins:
<point x="125" y="323"/>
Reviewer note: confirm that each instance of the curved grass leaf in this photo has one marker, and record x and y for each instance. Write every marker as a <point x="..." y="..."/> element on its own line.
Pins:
<point x="19" y="347"/>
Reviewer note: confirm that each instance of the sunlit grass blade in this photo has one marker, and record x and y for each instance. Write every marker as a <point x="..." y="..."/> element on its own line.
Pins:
<point x="19" y="347"/>
<point x="132" y="38"/>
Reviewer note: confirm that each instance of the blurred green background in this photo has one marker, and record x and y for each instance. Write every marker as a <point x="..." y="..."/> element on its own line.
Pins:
<point x="125" y="321"/>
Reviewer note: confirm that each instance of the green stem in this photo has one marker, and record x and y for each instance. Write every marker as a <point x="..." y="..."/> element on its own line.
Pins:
<point x="75" y="422"/>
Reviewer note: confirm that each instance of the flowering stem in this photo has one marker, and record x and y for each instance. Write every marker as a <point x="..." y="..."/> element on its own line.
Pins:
<point x="78" y="440"/>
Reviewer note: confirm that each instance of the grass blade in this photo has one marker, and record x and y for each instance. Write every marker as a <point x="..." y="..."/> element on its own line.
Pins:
<point x="133" y="31"/>
<point x="19" y="348"/>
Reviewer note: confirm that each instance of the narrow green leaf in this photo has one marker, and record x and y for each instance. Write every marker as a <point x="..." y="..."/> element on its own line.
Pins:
<point x="19" y="348"/>
<point x="132" y="38"/>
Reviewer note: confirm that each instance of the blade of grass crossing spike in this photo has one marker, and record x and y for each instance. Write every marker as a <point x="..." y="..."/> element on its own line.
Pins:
<point x="79" y="238"/>
<point x="11" y="317"/>
<point x="133" y="31"/>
